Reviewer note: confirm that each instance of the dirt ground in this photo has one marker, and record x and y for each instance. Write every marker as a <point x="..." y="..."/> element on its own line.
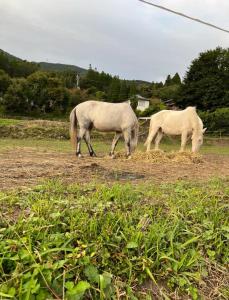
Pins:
<point x="25" y="167"/>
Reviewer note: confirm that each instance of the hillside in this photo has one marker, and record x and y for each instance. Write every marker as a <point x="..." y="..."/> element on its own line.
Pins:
<point x="44" y="66"/>
<point x="10" y="56"/>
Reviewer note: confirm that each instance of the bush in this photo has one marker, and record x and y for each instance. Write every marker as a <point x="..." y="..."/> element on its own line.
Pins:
<point x="152" y="109"/>
<point x="216" y="120"/>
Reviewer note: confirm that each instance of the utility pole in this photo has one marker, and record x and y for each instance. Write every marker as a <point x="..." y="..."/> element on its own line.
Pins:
<point x="77" y="81"/>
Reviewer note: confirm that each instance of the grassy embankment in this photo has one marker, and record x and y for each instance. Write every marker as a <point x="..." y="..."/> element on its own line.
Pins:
<point x="119" y="242"/>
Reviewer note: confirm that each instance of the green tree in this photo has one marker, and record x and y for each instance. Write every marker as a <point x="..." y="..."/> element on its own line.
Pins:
<point x="105" y="80"/>
<point x="99" y="95"/>
<point x="168" y="81"/>
<point x="134" y="102"/>
<point x="167" y="92"/>
<point x="114" y="90"/>
<point x="124" y="91"/>
<point x="206" y="84"/>
<point x="145" y="90"/>
<point x="47" y="92"/>
<point x="76" y="97"/>
<point x="15" y="67"/>
<point x="158" y="85"/>
<point x="41" y="93"/>
<point x="4" y="82"/>
<point x="133" y="89"/>
<point x="68" y="78"/>
<point x="16" y="99"/>
<point x="176" y="79"/>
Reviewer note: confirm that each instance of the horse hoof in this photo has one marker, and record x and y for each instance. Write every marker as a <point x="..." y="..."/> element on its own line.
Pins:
<point x="79" y="155"/>
<point x="129" y="157"/>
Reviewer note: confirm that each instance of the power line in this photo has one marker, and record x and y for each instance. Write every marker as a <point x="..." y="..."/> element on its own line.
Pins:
<point x="184" y="16"/>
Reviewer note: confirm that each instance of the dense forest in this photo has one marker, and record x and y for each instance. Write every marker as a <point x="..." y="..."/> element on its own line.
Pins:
<point x="40" y="89"/>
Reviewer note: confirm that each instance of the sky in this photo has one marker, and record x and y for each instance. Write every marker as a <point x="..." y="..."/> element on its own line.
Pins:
<point x="121" y="37"/>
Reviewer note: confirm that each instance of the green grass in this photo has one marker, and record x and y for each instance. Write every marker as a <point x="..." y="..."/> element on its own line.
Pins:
<point x="54" y="135"/>
<point x="100" y="242"/>
<point x="100" y="146"/>
<point x="8" y="122"/>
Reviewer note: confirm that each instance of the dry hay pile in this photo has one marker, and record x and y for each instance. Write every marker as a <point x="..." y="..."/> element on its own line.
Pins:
<point x="160" y="156"/>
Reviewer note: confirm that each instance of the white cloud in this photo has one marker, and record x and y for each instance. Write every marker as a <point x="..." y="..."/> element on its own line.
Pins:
<point x="123" y="37"/>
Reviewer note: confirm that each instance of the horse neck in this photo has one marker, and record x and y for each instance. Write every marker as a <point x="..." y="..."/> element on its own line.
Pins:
<point x="197" y="125"/>
<point x="196" y="122"/>
<point x="196" y="132"/>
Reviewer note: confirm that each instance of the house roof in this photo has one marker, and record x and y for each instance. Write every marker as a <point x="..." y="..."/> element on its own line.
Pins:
<point x="139" y="97"/>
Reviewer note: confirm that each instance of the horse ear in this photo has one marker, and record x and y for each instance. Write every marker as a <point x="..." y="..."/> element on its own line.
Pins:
<point x="204" y="129"/>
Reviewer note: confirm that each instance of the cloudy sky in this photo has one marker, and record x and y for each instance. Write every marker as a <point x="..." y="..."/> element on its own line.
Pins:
<point x="123" y="37"/>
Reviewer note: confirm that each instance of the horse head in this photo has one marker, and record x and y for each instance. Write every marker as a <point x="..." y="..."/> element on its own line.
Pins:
<point x="197" y="139"/>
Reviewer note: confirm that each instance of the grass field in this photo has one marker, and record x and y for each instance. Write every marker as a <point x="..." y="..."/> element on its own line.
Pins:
<point x="7" y="122"/>
<point x="210" y="146"/>
<point x="145" y="234"/>
<point x="40" y="133"/>
<point x="165" y="241"/>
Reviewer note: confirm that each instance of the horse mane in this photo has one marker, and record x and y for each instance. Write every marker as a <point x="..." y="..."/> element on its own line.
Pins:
<point x="191" y="111"/>
<point x="196" y="121"/>
<point x="191" y="108"/>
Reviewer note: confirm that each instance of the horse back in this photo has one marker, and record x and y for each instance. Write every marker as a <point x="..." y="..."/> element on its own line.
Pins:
<point x="106" y="116"/>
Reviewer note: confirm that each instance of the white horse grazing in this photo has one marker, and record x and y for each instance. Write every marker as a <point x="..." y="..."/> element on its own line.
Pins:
<point x="104" y="116"/>
<point x="185" y="123"/>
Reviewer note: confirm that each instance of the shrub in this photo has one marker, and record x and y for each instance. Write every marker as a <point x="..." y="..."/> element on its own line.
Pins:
<point x="152" y="109"/>
<point x="217" y="120"/>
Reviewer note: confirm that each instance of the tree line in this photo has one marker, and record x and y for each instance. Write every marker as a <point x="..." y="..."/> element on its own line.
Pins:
<point x="26" y="90"/>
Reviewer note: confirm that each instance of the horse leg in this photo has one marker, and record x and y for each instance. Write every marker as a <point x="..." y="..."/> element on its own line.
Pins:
<point x="151" y="136"/>
<point x="127" y="136"/>
<point x="78" y="141"/>
<point x="158" y="139"/>
<point x="88" y="143"/>
<point x="184" y="137"/>
<point x="114" y="143"/>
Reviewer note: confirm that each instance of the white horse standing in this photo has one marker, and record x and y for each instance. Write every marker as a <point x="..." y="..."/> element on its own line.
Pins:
<point x="185" y="123"/>
<point x="104" y="116"/>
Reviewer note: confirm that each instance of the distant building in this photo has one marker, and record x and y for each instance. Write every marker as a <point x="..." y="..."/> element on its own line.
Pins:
<point x="170" y="104"/>
<point x="143" y="103"/>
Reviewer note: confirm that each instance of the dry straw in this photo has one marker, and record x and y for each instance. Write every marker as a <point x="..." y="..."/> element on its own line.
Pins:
<point x="160" y="156"/>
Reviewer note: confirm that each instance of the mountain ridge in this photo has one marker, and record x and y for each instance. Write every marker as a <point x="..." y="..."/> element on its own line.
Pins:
<point x="46" y="66"/>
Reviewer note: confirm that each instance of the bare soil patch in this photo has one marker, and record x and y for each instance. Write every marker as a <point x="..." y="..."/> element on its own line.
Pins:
<point x="24" y="167"/>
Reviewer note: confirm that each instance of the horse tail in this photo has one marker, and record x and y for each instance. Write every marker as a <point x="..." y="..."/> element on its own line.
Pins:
<point x="148" y="140"/>
<point x="73" y="127"/>
<point x="134" y="136"/>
